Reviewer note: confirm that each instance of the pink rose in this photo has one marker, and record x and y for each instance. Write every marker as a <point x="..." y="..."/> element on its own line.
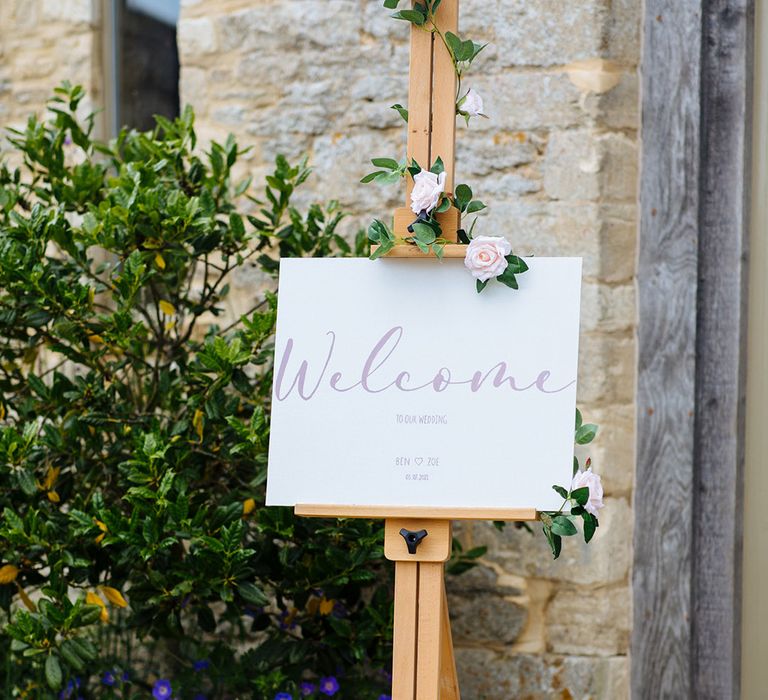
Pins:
<point x="473" y="104"/>
<point x="591" y="481"/>
<point x="427" y="188"/>
<point x="486" y="256"/>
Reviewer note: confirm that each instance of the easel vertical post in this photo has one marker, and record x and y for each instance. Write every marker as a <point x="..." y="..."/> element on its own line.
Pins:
<point x="423" y="666"/>
<point x="419" y="102"/>
<point x="432" y="112"/>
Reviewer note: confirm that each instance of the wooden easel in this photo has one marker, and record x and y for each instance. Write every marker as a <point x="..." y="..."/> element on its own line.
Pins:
<point x="423" y="663"/>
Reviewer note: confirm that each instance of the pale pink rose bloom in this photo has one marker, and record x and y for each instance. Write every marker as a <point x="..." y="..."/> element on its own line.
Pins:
<point x="486" y="256"/>
<point x="473" y="104"/>
<point x="427" y="188"/>
<point x="595" y="485"/>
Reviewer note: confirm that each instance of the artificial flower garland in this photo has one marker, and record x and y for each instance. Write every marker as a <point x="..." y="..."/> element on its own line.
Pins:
<point x="487" y="258"/>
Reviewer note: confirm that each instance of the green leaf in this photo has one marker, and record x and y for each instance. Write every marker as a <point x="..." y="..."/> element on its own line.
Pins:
<point x="438" y="166"/>
<point x="586" y="433"/>
<point x="463" y="196"/>
<point x="388" y="163"/>
<point x="252" y="593"/>
<point x="413" y="16"/>
<point x="578" y="419"/>
<point x="454" y="43"/>
<point x="481" y="285"/>
<point x="562" y="526"/>
<point x="391" y="4"/>
<point x="590" y="525"/>
<point x="555" y="543"/>
<point x="475" y="206"/>
<point x="424" y="233"/>
<point x="370" y="177"/>
<point x="445" y="205"/>
<point x="516" y="264"/>
<point x="402" y="111"/>
<point x="561" y="491"/>
<point x="53" y="672"/>
<point x="508" y="277"/>
<point x="581" y="496"/>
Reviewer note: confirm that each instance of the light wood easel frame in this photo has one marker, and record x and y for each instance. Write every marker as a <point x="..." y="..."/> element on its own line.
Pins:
<point x="423" y="660"/>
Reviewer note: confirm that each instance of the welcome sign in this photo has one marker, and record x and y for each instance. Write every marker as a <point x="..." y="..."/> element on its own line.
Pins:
<point x="396" y="385"/>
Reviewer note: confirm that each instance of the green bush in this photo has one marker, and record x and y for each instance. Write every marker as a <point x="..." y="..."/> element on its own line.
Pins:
<point x="134" y="432"/>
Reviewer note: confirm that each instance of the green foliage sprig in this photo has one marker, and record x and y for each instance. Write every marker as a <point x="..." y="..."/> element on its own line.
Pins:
<point x="462" y="51"/>
<point x="559" y="524"/>
<point x="427" y="231"/>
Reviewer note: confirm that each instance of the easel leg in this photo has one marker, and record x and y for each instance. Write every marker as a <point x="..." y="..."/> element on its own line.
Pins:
<point x="423" y="665"/>
<point x="449" y="680"/>
<point x="405" y="641"/>
<point x="431" y="592"/>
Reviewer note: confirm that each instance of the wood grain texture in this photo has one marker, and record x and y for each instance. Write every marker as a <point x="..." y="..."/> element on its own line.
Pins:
<point x="449" y="679"/>
<point x="426" y="512"/>
<point x="721" y="347"/>
<point x="431" y="591"/>
<point x="444" y="96"/>
<point x="419" y="102"/>
<point x="405" y="630"/>
<point x="435" y="547"/>
<point x="449" y="223"/>
<point x="666" y="286"/>
<point x="691" y="298"/>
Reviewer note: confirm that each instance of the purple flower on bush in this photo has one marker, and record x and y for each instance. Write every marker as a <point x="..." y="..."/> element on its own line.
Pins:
<point x="283" y="696"/>
<point x="126" y="676"/>
<point x="329" y="686"/>
<point x="69" y="689"/>
<point x="307" y="688"/>
<point x="384" y="696"/>
<point x="108" y="678"/>
<point x="162" y="690"/>
<point x="201" y="665"/>
<point x="199" y="696"/>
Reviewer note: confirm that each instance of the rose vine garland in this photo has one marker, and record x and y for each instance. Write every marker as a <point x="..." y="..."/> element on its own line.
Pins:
<point x="487" y="257"/>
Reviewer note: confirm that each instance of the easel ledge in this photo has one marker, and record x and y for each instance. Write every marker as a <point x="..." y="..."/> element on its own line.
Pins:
<point x="418" y="512"/>
<point x="409" y="250"/>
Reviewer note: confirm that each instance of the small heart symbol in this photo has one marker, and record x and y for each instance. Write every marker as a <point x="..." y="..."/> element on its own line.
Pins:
<point x="418" y="461"/>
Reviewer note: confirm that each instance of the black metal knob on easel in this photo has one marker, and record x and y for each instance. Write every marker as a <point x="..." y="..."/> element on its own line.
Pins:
<point x="413" y="538"/>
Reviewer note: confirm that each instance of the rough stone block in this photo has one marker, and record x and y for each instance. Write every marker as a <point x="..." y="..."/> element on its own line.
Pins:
<point x="549" y="32"/>
<point x="196" y="37"/>
<point x="495" y="675"/>
<point x="605" y="560"/>
<point x="602" y="616"/>
<point x="606" y="368"/>
<point x="607" y="308"/>
<point x="481" y="609"/>
<point x="613" y="451"/>
<point x="572" y="165"/>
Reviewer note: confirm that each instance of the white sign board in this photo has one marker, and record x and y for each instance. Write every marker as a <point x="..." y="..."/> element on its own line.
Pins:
<point x="397" y="384"/>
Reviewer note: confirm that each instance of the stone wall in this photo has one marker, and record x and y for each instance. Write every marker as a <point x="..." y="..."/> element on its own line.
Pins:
<point x="557" y="163"/>
<point x="43" y="42"/>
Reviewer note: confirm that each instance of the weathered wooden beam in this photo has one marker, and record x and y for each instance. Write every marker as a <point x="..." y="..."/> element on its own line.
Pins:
<point x="666" y="286"/>
<point x="726" y="99"/>
<point x="691" y="305"/>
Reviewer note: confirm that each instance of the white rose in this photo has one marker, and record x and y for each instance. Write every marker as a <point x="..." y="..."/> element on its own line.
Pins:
<point x="486" y="256"/>
<point x="427" y="188"/>
<point x="592" y="481"/>
<point x="473" y="104"/>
